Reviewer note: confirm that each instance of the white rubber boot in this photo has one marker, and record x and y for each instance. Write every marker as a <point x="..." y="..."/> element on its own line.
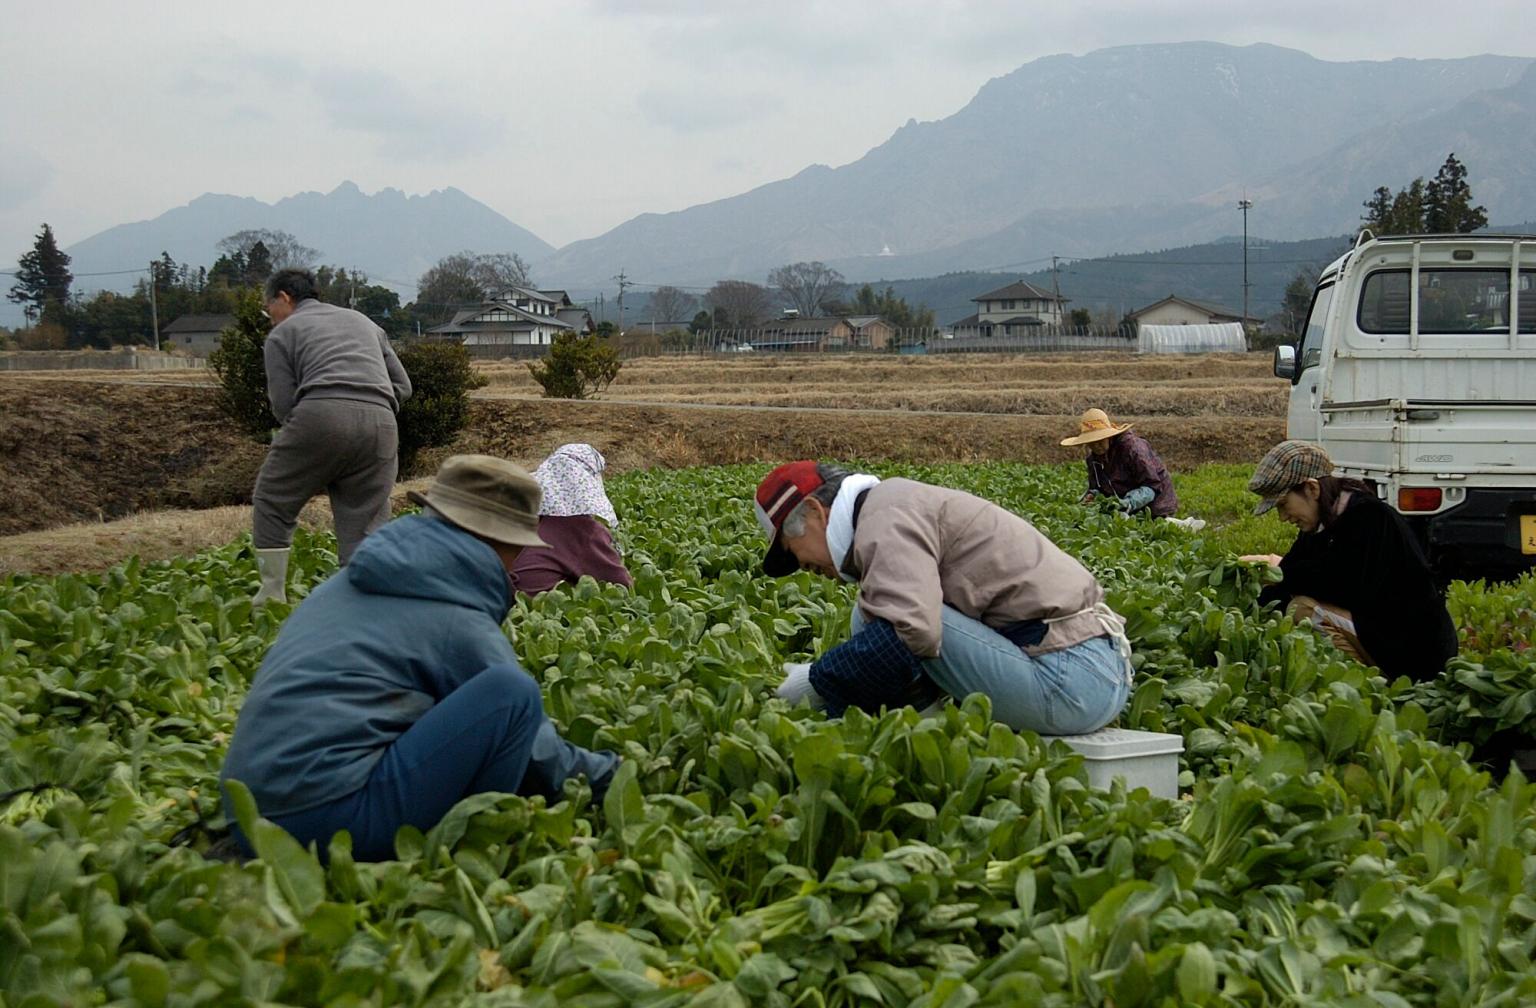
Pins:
<point x="272" y="565"/>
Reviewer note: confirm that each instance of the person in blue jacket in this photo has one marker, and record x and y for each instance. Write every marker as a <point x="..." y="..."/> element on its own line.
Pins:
<point x="391" y="692"/>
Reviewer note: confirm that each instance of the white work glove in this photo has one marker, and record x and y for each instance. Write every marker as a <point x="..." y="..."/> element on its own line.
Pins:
<point x="796" y="687"/>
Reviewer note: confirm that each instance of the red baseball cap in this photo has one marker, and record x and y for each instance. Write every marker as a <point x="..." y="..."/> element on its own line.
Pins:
<point x="777" y="495"/>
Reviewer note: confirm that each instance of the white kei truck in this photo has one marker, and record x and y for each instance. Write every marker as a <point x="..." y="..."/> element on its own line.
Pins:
<point x="1417" y="373"/>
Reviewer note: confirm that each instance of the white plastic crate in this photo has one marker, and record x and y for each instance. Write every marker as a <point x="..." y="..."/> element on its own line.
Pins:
<point x="1140" y="758"/>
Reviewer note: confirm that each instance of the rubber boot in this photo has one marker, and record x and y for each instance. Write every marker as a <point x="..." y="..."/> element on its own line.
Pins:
<point x="272" y="565"/>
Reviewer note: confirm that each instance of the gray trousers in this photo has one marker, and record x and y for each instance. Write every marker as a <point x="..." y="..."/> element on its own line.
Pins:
<point x="347" y="448"/>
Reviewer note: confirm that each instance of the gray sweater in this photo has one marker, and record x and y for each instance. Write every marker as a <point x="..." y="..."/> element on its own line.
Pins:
<point x="322" y="351"/>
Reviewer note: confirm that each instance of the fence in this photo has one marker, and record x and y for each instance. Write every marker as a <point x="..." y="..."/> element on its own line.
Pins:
<point x="639" y="342"/>
<point x="1042" y="339"/>
<point x="505" y="351"/>
<point x="120" y="359"/>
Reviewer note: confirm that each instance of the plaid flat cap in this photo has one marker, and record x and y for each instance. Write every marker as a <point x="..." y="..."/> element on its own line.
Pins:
<point x="1287" y="464"/>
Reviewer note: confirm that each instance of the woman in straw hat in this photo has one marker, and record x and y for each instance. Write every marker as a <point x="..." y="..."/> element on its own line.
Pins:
<point x="1355" y="572"/>
<point x="392" y="691"/>
<point x="1123" y="467"/>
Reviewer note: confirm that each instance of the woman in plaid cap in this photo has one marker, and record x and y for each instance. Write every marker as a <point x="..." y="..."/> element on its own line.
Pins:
<point x="1356" y="571"/>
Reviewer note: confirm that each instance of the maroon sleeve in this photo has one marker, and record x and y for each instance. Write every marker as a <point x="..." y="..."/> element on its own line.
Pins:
<point x="578" y="545"/>
<point x="1155" y="475"/>
<point x="598" y="556"/>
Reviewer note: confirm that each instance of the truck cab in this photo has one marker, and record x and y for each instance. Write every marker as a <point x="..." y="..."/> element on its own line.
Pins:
<point x="1417" y="373"/>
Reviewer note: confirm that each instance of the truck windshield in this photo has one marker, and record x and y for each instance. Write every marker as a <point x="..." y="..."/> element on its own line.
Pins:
<point x="1312" y="340"/>
<point x="1450" y="301"/>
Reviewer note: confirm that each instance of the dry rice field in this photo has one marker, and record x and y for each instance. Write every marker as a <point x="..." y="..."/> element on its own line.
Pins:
<point x="1224" y="384"/>
<point x="116" y="450"/>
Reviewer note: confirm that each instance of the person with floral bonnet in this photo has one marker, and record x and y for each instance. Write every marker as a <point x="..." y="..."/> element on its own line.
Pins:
<point x="575" y="520"/>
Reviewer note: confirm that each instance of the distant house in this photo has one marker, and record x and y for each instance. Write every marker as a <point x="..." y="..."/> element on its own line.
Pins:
<point x="871" y="332"/>
<point x="803" y="334"/>
<point x="518" y="316"/>
<point x="855" y="332"/>
<point x="568" y="311"/>
<point x="1011" y="311"/>
<point x="1176" y="310"/>
<point x="197" y="335"/>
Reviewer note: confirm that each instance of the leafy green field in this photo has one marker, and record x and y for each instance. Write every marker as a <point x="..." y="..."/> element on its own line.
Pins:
<point x="1333" y="845"/>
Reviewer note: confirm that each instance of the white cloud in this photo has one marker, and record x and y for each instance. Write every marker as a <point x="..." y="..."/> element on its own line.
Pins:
<point x="24" y="175"/>
<point x="568" y="117"/>
<point x="687" y="112"/>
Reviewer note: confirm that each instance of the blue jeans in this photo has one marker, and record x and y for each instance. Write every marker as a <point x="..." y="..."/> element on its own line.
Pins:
<point x="488" y="735"/>
<point x="1068" y="692"/>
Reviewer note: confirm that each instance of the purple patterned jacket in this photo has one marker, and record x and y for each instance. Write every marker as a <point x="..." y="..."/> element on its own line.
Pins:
<point x="1132" y="463"/>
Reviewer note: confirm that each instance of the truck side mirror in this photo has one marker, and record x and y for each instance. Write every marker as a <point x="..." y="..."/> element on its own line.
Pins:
<point x="1285" y="362"/>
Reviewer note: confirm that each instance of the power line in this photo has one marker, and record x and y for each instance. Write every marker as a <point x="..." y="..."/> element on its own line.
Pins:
<point x="78" y="275"/>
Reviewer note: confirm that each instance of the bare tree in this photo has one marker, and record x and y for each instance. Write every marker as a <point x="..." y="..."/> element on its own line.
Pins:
<point x="498" y="271"/>
<point x="807" y="285"/>
<point x="285" y="251"/>
<point x="669" y="304"/>
<point x="466" y="278"/>
<point x="738" y="303"/>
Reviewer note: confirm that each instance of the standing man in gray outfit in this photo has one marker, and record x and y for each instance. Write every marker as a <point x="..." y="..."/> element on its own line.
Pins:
<point x="335" y="386"/>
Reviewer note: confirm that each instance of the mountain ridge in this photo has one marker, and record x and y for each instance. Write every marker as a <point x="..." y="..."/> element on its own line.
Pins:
<point x="1138" y="112"/>
<point x="392" y="235"/>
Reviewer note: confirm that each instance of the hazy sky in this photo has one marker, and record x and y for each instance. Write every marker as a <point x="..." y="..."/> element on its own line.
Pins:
<point x="568" y="118"/>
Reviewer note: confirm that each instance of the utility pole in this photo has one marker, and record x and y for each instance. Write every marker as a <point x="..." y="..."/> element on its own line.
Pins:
<point x="1056" y="287"/>
<point x="624" y="283"/>
<point x="352" y="297"/>
<point x="1244" y="205"/>
<point x="154" y="309"/>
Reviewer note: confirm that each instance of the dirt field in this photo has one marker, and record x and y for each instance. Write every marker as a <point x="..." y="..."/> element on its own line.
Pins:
<point x="1228" y="384"/>
<point x="100" y="447"/>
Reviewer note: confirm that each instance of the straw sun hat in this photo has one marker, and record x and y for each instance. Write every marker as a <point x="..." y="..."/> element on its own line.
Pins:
<point x="1095" y="425"/>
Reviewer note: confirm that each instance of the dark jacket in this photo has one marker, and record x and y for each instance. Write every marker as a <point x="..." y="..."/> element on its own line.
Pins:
<point x="416" y="613"/>
<point x="1131" y="463"/>
<point x="578" y="544"/>
<point x="1368" y="561"/>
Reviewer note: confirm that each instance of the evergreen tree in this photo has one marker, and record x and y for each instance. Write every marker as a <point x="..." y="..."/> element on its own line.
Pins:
<point x="228" y="270"/>
<point x="1407" y="215"/>
<point x="258" y="265"/>
<point x="1443" y="206"/>
<point x="888" y="306"/>
<point x="42" y="280"/>
<point x="1448" y="205"/>
<point x="1297" y="299"/>
<point x="1378" y="208"/>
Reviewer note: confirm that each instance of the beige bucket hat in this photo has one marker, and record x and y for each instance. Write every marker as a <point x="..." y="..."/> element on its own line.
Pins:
<point x="488" y="496"/>
<point x="1095" y="425"/>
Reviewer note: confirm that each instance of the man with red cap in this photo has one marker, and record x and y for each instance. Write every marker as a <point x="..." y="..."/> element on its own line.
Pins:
<point x="956" y="596"/>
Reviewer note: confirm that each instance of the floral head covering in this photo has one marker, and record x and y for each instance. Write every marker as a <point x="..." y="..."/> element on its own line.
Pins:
<point x="572" y="478"/>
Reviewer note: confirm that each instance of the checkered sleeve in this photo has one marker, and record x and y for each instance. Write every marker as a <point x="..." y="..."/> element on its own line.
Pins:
<point x="871" y="670"/>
